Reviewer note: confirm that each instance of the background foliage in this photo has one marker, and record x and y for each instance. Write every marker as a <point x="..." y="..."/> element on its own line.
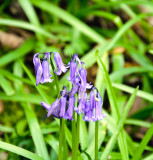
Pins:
<point x="120" y="33"/>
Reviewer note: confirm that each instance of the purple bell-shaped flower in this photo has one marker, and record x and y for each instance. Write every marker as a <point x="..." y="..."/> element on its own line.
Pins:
<point x="98" y="108"/>
<point x="69" y="112"/>
<point x="53" y="109"/>
<point x="60" y="65"/>
<point x="38" y="68"/>
<point x="46" y="72"/>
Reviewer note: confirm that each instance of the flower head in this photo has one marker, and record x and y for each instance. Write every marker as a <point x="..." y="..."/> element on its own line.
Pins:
<point x="60" y="65"/>
<point x="38" y="68"/>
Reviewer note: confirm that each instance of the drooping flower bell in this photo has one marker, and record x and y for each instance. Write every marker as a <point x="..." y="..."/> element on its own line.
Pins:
<point x="88" y="112"/>
<point x="73" y="71"/>
<point x="54" y="109"/>
<point x="98" y="108"/>
<point x="63" y="102"/>
<point x="69" y="112"/>
<point x="90" y="105"/>
<point x="46" y="72"/>
<point x="84" y="85"/>
<point x="81" y="106"/>
<point x="38" y="68"/>
<point x="59" y="63"/>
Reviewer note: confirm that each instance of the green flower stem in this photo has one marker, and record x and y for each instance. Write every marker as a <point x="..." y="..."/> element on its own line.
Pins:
<point x="60" y="140"/>
<point x="96" y="140"/>
<point x="73" y="137"/>
<point x="77" y="132"/>
<point x="61" y="129"/>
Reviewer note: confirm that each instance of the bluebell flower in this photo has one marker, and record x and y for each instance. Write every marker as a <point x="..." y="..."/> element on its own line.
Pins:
<point x="81" y="106"/>
<point x="53" y="109"/>
<point x="60" y="65"/>
<point x="46" y="72"/>
<point x="98" y="108"/>
<point x="90" y="106"/>
<point x="84" y="85"/>
<point x="63" y="102"/>
<point x="73" y="71"/>
<point x="88" y="115"/>
<point x="76" y="86"/>
<point x="38" y="68"/>
<point x="69" y="112"/>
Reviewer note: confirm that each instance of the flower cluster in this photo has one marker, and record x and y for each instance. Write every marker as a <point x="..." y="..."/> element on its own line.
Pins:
<point x="64" y="106"/>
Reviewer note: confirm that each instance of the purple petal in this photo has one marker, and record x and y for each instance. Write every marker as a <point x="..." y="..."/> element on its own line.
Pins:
<point x="88" y="116"/>
<point x="38" y="68"/>
<point x="98" y="109"/>
<point x="69" y="112"/>
<point x="63" y="101"/>
<point x="46" y="72"/>
<point x="47" y="55"/>
<point x="45" y="105"/>
<point x="81" y="106"/>
<point x="53" y="107"/>
<point x="73" y="71"/>
<point x="60" y="65"/>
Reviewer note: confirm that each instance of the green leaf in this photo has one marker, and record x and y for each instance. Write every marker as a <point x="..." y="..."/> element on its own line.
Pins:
<point x="119" y="127"/>
<point x="70" y="19"/>
<point x="28" y="26"/>
<point x="114" y="107"/>
<point x="35" y="129"/>
<point x="24" y="49"/>
<point x="126" y="71"/>
<point x="19" y="151"/>
<point x="6" y="129"/>
<point x="128" y="89"/>
<point x="143" y="143"/>
<point x="6" y="86"/>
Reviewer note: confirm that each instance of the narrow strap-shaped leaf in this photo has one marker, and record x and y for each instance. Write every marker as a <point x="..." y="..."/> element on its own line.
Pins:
<point x="6" y="86"/>
<point x="128" y="89"/>
<point x="35" y="129"/>
<point x="19" y="151"/>
<point x="143" y="143"/>
<point x="27" y="26"/>
<point x="114" y="107"/>
<point x="67" y="17"/>
<point x="121" y="122"/>
<point x="24" y="49"/>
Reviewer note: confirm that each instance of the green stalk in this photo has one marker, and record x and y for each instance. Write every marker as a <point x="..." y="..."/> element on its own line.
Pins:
<point x="96" y="140"/>
<point x="73" y="137"/>
<point x="61" y="128"/>
<point x="60" y="140"/>
<point x="77" y="132"/>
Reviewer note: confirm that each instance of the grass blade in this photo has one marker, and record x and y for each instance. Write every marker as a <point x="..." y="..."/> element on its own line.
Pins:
<point x="143" y="143"/>
<point x="114" y="107"/>
<point x="70" y="19"/>
<point x="27" y="26"/>
<point x="6" y="86"/>
<point x="121" y="122"/>
<point x="128" y="89"/>
<point x="19" y="151"/>
<point x="35" y="129"/>
<point x="25" y="48"/>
